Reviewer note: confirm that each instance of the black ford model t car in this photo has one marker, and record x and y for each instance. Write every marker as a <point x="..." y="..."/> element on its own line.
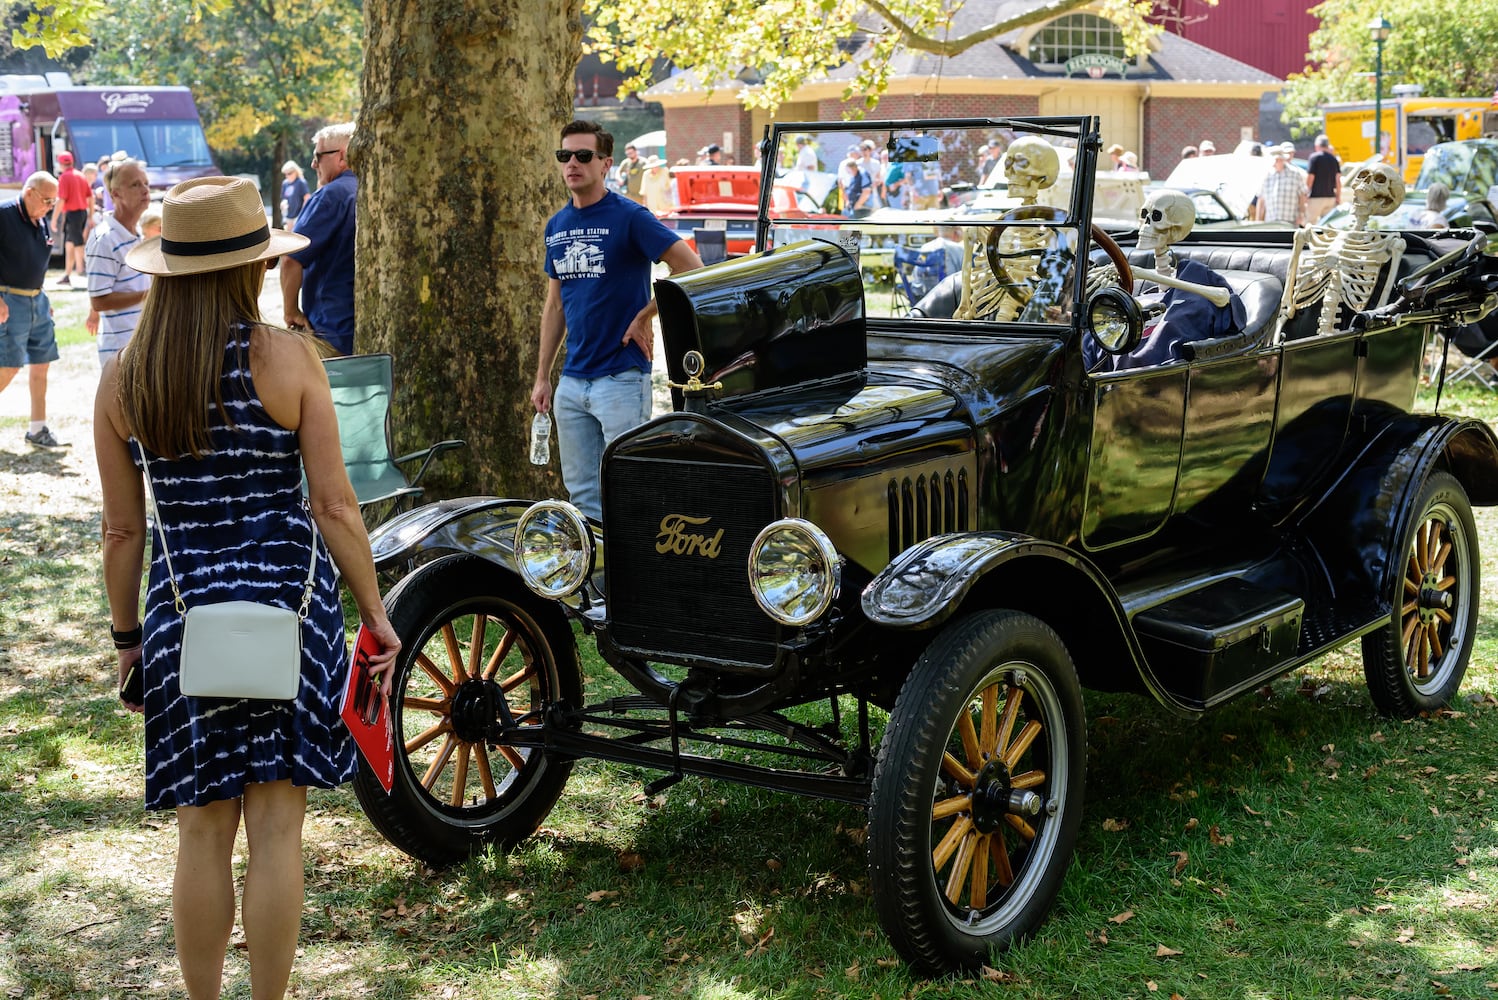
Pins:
<point x="961" y="513"/>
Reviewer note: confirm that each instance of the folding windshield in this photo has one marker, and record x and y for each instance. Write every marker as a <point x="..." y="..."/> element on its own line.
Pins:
<point x="957" y="220"/>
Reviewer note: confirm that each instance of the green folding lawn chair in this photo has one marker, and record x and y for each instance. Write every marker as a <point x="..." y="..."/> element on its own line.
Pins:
<point x="361" y="397"/>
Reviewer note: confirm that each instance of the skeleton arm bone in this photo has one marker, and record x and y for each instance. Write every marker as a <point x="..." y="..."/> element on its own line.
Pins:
<point x="1217" y="296"/>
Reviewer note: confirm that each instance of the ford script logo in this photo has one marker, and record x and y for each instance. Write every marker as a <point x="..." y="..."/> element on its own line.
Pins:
<point x="127" y="103"/>
<point x="676" y="539"/>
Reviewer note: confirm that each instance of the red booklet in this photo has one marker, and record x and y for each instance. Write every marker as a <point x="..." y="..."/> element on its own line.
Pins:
<point x="367" y="713"/>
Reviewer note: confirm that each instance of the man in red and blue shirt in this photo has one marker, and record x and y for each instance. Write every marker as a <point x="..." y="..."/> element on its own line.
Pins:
<point x="75" y="199"/>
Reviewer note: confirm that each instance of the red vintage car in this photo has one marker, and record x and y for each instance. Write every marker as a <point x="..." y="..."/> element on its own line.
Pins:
<point x="727" y="198"/>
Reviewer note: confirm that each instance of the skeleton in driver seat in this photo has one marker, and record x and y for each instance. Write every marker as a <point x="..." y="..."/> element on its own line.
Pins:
<point x="1030" y="165"/>
<point x="1340" y="268"/>
<point x="1198" y="303"/>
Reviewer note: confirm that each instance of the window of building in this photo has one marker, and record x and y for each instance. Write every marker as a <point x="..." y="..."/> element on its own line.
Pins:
<point x="1075" y="35"/>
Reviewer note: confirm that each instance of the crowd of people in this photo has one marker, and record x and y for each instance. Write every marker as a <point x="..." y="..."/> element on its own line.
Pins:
<point x="104" y="211"/>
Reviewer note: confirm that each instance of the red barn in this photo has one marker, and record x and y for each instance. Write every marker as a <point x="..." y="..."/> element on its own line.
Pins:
<point x="1271" y="35"/>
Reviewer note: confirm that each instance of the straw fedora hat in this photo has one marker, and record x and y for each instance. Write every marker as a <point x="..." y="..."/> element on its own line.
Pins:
<point x="211" y="224"/>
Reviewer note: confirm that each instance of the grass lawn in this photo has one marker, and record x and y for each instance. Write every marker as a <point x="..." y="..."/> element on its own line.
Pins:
<point x="1293" y="844"/>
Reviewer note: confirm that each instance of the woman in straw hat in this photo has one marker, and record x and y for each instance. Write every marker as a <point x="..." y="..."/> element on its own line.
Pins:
<point x="228" y="411"/>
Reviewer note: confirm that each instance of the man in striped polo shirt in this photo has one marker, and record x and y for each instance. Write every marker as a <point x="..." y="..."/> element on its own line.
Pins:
<point x="116" y="289"/>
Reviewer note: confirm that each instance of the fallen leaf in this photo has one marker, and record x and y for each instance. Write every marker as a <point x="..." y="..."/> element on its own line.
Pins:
<point x="601" y="894"/>
<point x="1122" y="917"/>
<point x="853" y="971"/>
<point x="1193" y="823"/>
<point x="631" y="861"/>
<point x="1181" y="857"/>
<point x="773" y="864"/>
<point x="993" y="975"/>
<point x="1163" y="952"/>
<point x="1112" y="825"/>
<point x="1219" y="838"/>
<point x="1251" y="810"/>
<point x="1151" y="985"/>
<point x="759" y="945"/>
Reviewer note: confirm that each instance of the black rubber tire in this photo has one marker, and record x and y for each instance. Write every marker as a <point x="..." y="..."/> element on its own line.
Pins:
<point x="428" y="826"/>
<point x="1008" y="654"/>
<point x="1406" y="673"/>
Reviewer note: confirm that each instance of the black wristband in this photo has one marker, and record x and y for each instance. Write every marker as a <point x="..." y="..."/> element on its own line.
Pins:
<point x="128" y="640"/>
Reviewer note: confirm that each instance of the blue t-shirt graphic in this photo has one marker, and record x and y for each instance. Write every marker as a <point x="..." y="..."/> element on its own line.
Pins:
<point x="602" y="256"/>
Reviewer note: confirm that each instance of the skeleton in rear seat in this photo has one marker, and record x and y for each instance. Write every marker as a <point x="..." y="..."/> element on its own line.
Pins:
<point x="999" y="263"/>
<point x="1341" y="267"/>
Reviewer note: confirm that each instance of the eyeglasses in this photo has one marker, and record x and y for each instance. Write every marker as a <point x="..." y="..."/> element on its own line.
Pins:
<point x="323" y="152"/>
<point x="583" y="155"/>
<point x="49" y="202"/>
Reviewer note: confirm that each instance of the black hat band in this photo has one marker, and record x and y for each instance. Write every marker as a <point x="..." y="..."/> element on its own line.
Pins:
<point x="209" y="247"/>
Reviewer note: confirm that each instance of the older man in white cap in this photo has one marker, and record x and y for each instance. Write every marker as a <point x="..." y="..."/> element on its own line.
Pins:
<point x="1282" y="196"/>
<point x="1205" y="148"/>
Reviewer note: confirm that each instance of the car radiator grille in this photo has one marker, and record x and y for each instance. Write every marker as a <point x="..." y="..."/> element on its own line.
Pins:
<point x="692" y="599"/>
<point x="925" y="506"/>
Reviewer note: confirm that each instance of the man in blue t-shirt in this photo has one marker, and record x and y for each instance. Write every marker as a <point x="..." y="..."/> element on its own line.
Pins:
<point x="599" y="252"/>
<point x="317" y="282"/>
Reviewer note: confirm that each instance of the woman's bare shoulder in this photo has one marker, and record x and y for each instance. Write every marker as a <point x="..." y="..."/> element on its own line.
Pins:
<point x="284" y="366"/>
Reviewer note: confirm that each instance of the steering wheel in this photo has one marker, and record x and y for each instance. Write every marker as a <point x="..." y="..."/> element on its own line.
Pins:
<point x="1116" y="255"/>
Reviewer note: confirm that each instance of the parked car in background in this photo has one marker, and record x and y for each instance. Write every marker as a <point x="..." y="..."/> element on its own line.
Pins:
<point x="1468" y="168"/>
<point x="1234" y="178"/>
<point x="727" y="198"/>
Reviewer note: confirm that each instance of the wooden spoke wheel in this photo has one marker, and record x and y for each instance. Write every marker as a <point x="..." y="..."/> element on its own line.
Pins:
<point x="481" y="662"/>
<point x="977" y="793"/>
<point x="1416" y="662"/>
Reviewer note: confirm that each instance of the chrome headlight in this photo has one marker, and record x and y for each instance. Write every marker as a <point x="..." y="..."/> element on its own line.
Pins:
<point x="793" y="571"/>
<point x="554" y="548"/>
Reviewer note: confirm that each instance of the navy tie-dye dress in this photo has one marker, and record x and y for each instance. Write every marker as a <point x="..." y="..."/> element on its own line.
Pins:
<point x="237" y="530"/>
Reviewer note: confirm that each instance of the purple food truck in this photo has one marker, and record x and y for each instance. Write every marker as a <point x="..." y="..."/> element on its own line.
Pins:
<point x="43" y="116"/>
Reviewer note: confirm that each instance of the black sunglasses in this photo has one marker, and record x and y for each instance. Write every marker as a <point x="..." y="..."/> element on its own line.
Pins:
<point x="583" y="155"/>
<point x="323" y="152"/>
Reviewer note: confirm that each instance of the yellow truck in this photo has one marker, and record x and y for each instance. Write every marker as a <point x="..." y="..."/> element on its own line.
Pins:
<point x="1410" y="126"/>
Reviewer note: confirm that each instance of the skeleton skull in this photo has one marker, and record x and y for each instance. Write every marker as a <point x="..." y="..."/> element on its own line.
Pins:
<point x="1377" y="188"/>
<point x="1030" y="164"/>
<point x="1166" y="218"/>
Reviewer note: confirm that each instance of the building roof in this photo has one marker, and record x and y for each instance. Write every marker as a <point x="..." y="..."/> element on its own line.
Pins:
<point x="1171" y="58"/>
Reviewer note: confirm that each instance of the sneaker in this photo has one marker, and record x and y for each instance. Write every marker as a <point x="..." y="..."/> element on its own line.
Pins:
<point x="64" y="282"/>
<point x="43" y="438"/>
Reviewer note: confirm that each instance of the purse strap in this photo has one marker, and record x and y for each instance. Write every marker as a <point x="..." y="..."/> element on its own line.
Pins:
<point x="177" y="603"/>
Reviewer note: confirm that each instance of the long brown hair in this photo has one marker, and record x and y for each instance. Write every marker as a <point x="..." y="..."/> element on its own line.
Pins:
<point x="170" y="370"/>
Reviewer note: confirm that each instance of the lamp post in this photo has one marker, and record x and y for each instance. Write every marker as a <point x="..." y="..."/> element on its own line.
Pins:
<point x="1379" y="28"/>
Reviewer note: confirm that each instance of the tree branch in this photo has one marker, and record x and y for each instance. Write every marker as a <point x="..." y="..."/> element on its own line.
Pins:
<point x="912" y="39"/>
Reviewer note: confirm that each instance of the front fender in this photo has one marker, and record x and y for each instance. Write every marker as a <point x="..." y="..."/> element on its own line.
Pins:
<point x="481" y="526"/>
<point x="942" y="576"/>
<point x="927" y="582"/>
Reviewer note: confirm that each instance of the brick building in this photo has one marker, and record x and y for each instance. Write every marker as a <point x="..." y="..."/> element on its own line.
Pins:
<point x="1177" y="93"/>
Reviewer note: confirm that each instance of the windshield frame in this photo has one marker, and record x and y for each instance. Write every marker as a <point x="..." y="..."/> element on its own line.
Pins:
<point x="956" y="143"/>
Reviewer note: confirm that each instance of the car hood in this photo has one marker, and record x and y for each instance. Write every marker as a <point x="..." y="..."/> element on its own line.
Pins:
<point x="912" y="387"/>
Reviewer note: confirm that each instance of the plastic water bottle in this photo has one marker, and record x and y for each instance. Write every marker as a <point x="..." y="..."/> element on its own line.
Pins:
<point x="541" y="439"/>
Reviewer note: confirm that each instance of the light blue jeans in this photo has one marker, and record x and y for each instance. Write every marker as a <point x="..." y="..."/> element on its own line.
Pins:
<point x="589" y="413"/>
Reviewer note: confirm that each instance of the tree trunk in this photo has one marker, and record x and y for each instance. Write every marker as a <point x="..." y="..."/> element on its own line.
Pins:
<point x="462" y="103"/>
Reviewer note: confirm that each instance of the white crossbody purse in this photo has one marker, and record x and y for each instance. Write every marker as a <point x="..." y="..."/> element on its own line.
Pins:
<point x="238" y="649"/>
